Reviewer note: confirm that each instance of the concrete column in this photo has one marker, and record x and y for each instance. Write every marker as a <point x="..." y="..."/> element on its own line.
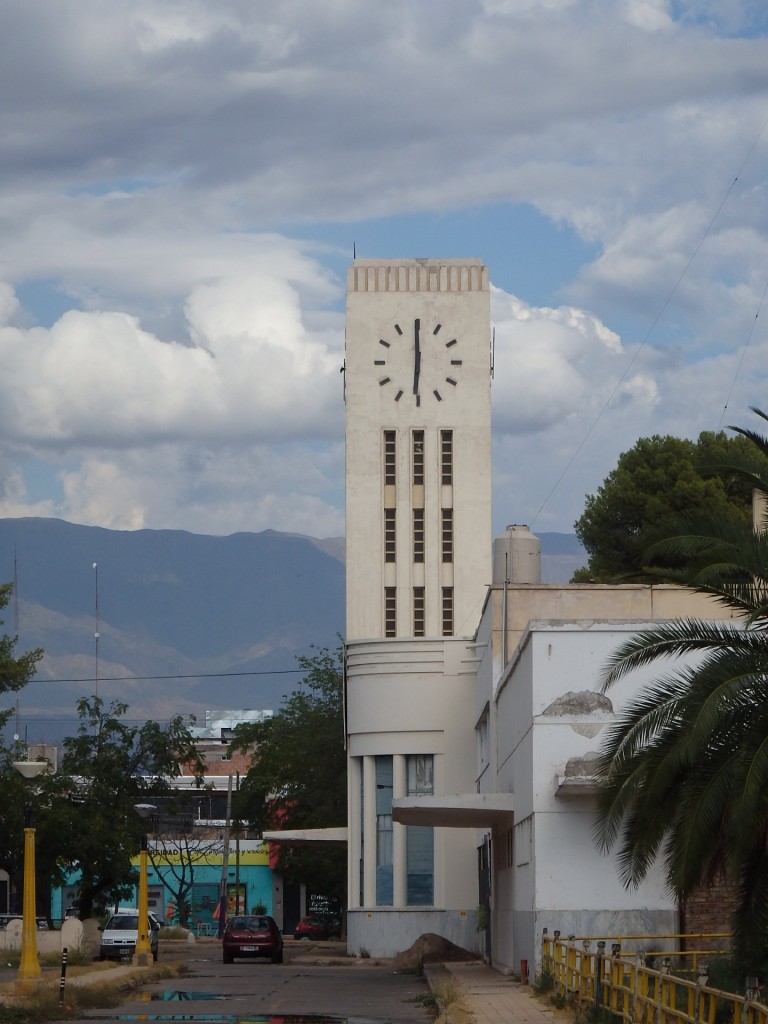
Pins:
<point x="759" y="511"/>
<point x="399" y="788"/>
<point x="369" y="831"/>
<point x="354" y="832"/>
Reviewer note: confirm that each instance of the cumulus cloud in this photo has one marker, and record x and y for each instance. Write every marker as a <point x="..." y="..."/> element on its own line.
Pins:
<point x="549" y="363"/>
<point x="252" y="371"/>
<point x="206" y="488"/>
<point x="184" y="180"/>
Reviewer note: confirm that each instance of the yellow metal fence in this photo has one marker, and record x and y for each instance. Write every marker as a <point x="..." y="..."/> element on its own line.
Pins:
<point x="599" y="972"/>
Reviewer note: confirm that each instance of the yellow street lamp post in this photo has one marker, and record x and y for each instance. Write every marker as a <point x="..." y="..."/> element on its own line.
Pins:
<point x="29" y="965"/>
<point x="143" y="953"/>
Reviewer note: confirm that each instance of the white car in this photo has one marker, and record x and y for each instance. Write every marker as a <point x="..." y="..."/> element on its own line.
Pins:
<point x="121" y="932"/>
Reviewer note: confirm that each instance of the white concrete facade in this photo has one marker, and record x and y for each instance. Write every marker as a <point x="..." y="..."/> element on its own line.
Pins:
<point x="498" y="702"/>
<point x="540" y="720"/>
<point x="418" y="514"/>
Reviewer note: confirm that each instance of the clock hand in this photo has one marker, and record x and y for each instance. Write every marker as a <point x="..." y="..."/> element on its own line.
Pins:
<point x="417" y="356"/>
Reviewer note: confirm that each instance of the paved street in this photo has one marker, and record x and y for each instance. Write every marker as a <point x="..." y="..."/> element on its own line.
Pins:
<point x="315" y="979"/>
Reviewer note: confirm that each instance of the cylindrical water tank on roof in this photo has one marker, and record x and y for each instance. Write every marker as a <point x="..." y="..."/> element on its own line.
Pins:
<point x="517" y="556"/>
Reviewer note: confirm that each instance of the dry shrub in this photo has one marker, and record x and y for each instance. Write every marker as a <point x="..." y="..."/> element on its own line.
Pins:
<point x="452" y="998"/>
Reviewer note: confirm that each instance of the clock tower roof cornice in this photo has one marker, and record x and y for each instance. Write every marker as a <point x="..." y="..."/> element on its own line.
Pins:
<point x="417" y="275"/>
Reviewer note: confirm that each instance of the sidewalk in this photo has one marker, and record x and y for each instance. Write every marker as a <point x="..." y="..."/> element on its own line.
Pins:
<point x="496" y="999"/>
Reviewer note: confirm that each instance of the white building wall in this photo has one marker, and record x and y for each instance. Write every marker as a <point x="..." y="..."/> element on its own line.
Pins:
<point x="558" y="878"/>
<point x="405" y="694"/>
<point x="407" y="697"/>
<point x="454" y="294"/>
<point x="558" y="640"/>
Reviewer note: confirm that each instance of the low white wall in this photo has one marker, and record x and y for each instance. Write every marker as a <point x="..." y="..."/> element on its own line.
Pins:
<point x="72" y="936"/>
<point x="387" y="931"/>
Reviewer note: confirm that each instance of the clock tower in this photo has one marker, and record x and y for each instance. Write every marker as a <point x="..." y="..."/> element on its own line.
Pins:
<point x="418" y="562"/>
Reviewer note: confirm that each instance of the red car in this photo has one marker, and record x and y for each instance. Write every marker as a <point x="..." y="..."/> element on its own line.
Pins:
<point x="257" y="936"/>
<point x="317" y="928"/>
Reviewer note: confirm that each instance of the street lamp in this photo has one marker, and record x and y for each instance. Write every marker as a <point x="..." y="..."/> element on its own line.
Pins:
<point x="29" y="965"/>
<point x="143" y="952"/>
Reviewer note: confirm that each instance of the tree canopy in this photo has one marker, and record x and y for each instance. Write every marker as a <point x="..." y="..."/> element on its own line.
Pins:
<point x="299" y="773"/>
<point x="15" y="670"/>
<point x="684" y="771"/>
<point x="661" y="478"/>
<point x="108" y="768"/>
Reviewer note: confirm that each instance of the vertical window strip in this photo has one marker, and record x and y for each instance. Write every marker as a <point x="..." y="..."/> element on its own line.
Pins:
<point x="420" y="839"/>
<point x="390" y="537"/>
<point x="390" y="611"/>
<point x="390" y="452"/>
<point x="384" y="888"/>
<point x="418" y="611"/>
<point x="418" y="535"/>
<point x="448" y="611"/>
<point x="447" y="534"/>
<point x="446" y="456"/>
<point x="418" y="457"/>
<point x="361" y="874"/>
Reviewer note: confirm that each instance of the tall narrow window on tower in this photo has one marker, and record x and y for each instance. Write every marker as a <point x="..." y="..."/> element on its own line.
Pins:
<point x="418" y="457"/>
<point x="418" y="611"/>
<point x="447" y="611"/>
<point x="390" y="452"/>
<point x="390" y="611"/>
<point x="446" y="456"/>
<point x="390" y="537"/>
<point x="418" y="535"/>
<point x="446" y="534"/>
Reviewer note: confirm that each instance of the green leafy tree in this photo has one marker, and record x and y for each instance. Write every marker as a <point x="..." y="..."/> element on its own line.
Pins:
<point x="23" y="802"/>
<point x="15" y="670"/>
<point x="108" y="768"/>
<point x="660" y="478"/>
<point x="683" y="774"/>
<point x="299" y="773"/>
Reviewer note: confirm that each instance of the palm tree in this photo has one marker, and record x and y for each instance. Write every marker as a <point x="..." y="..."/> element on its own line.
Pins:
<point x="683" y="772"/>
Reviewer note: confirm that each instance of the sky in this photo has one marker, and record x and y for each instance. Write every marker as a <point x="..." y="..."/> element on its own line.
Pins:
<point x="184" y="183"/>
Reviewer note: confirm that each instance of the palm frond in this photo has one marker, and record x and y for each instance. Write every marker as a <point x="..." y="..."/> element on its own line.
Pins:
<point x="671" y="639"/>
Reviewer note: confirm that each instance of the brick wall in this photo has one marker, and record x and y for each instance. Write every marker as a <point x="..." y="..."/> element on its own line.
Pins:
<point x="706" y="911"/>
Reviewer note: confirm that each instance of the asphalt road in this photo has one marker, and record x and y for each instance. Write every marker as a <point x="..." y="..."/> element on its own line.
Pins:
<point x="315" y="979"/>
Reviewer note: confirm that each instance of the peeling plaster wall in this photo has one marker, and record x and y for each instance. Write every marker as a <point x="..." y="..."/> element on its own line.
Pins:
<point x="551" y="720"/>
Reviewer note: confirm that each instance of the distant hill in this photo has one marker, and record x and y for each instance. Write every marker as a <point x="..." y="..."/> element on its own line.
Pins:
<point x="223" y="617"/>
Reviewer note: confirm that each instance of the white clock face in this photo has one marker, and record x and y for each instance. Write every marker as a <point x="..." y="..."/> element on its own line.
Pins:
<point x="418" y="359"/>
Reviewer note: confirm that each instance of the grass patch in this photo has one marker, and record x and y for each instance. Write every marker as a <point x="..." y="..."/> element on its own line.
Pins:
<point x="43" y="1002"/>
<point x="451" y="997"/>
<point x="543" y="983"/>
<point x="43" y="1005"/>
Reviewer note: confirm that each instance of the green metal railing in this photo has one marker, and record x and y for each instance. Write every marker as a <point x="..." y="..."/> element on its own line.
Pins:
<point x="624" y="984"/>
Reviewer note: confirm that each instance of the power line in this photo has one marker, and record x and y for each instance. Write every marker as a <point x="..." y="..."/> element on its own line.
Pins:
<point x="182" y="675"/>
<point x="743" y="355"/>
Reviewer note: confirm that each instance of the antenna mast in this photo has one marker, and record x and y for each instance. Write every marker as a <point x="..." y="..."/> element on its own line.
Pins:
<point x="96" y="631"/>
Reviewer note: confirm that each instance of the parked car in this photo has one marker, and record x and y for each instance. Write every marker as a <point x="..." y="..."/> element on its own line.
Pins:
<point x="121" y="932"/>
<point x="314" y="927"/>
<point x="252" y="936"/>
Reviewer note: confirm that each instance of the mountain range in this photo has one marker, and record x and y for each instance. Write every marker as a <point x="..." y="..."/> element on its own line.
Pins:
<point x="186" y="623"/>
